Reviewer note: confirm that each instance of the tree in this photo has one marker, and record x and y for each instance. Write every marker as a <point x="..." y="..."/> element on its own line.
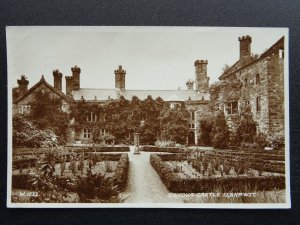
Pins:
<point x="174" y="123"/>
<point x="206" y="125"/>
<point x="220" y="131"/>
<point x="25" y="134"/>
<point x="150" y="115"/>
<point x="46" y="113"/>
<point x="246" y="128"/>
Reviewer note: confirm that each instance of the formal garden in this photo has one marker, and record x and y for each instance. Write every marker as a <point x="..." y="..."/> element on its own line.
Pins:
<point x="47" y="169"/>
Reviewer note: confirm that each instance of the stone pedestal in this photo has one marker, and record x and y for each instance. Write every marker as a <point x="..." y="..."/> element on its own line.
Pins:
<point x="136" y="143"/>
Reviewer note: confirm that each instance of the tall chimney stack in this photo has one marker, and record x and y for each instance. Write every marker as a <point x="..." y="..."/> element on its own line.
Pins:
<point x="120" y="78"/>
<point x="245" y="49"/>
<point x="189" y="84"/>
<point x="201" y="78"/>
<point x="57" y="79"/>
<point x="76" y="77"/>
<point x="69" y="85"/>
<point x="23" y="85"/>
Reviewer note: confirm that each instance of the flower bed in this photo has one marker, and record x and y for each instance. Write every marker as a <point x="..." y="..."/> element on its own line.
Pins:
<point x="175" y="183"/>
<point x="118" y="178"/>
<point x="147" y="148"/>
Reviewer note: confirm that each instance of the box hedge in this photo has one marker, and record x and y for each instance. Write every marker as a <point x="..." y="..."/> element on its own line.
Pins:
<point x="176" y="184"/>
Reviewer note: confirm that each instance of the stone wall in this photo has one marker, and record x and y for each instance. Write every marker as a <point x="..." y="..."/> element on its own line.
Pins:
<point x="253" y="89"/>
<point x="276" y="94"/>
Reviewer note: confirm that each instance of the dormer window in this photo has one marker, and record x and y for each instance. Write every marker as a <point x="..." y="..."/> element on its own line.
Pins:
<point x="92" y="117"/>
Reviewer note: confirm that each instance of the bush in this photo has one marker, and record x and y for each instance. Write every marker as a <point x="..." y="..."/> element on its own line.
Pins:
<point x="121" y="172"/>
<point x="277" y="141"/>
<point x="25" y="134"/>
<point x="220" y="131"/>
<point x="165" y="143"/>
<point x="92" y="186"/>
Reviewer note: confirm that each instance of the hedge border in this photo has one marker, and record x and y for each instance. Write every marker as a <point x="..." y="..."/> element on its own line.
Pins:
<point x="197" y="185"/>
<point x="159" y="149"/>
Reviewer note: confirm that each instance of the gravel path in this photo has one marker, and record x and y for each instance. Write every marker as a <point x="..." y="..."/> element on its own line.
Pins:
<point x="144" y="184"/>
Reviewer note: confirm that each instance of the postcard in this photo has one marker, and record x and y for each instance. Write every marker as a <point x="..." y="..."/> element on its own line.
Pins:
<point x="148" y="117"/>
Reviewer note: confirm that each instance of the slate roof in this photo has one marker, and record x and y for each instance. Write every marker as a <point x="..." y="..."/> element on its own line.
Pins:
<point x="167" y="95"/>
<point x="90" y="94"/>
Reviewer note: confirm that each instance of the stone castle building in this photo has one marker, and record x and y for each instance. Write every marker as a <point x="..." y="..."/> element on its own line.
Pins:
<point x="196" y="100"/>
<point x="257" y="81"/>
<point x="261" y="79"/>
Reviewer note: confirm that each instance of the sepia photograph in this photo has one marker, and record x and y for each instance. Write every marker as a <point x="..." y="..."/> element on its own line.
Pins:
<point x="155" y="117"/>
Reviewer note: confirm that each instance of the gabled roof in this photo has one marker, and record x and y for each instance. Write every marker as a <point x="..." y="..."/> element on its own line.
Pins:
<point x="236" y="66"/>
<point x="38" y="84"/>
<point x="106" y="94"/>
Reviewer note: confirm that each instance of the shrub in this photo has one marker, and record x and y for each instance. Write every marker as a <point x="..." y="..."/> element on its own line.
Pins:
<point x="25" y="134"/>
<point x="159" y="149"/>
<point x="276" y="140"/>
<point x="246" y="128"/>
<point x="220" y="132"/>
<point x="165" y="143"/>
<point x="261" y="140"/>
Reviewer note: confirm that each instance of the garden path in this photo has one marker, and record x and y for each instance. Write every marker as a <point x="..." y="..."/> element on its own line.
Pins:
<point x="144" y="184"/>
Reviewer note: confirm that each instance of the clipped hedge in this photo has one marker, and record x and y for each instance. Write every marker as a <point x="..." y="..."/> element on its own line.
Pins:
<point x="84" y="149"/>
<point x="196" y="185"/>
<point x="121" y="172"/>
<point x="24" y="162"/>
<point x="167" y="149"/>
<point x="30" y="151"/>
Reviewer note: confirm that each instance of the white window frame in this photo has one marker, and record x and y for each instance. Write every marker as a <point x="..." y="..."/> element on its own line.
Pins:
<point x="91" y="117"/>
<point x="281" y="53"/>
<point x="229" y="108"/>
<point x="25" y="109"/>
<point x="87" y="133"/>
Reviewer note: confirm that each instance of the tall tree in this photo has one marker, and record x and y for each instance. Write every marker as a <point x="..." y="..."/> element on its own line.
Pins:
<point x="246" y="128"/>
<point x="46" y="113"/>
<point x="220" y="131"/>
<point x="174" y="123"/>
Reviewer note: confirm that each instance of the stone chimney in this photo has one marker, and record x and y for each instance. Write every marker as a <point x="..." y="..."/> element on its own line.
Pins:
<point x="69" y="85"/>
<point x="23" y="85"/>
<point x="201" y="78"/>
<point x="189" y="84"/>
<point x="245" y="49"/>
<point x="120" y="78"/>
<point x="76" y="77"/>
<point x="57" y="79"/>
